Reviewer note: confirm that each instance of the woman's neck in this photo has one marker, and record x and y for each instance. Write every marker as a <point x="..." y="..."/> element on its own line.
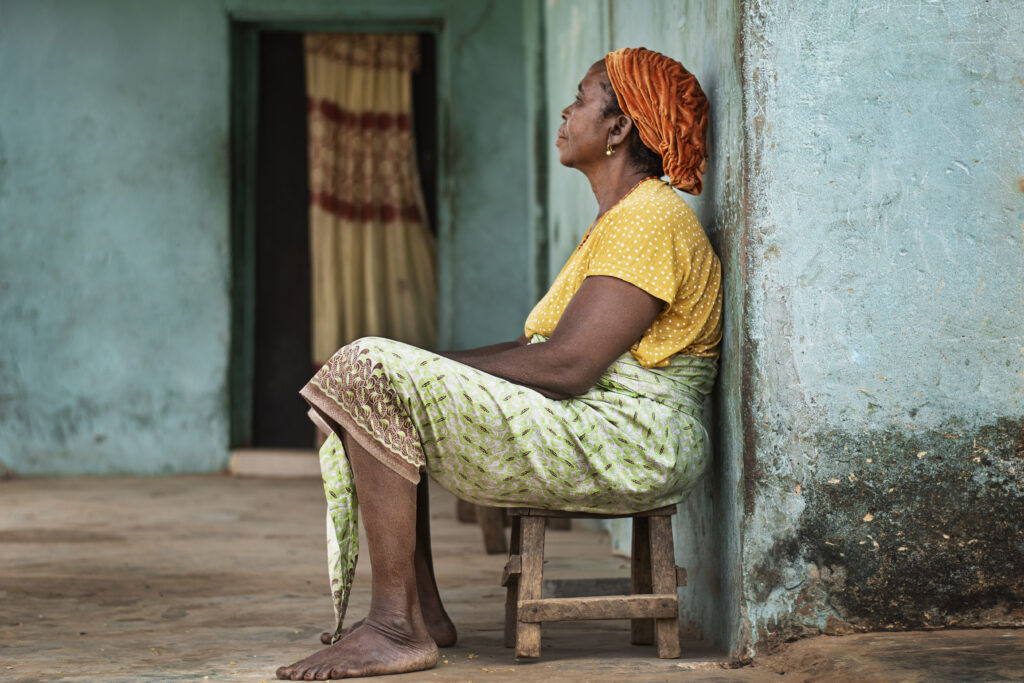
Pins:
<point x="609" y="189"/>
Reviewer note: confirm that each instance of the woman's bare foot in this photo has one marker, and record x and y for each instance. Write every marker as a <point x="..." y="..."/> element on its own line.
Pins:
<point x="327" y="636"/>
<point x="440" y="628"/>
<point x="371" y="649"/>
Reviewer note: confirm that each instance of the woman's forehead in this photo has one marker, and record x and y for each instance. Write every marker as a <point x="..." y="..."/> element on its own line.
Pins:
<point x="595" y="74"/>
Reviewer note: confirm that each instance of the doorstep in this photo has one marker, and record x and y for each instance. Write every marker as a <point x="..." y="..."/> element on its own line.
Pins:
<point x="274" y="462"/>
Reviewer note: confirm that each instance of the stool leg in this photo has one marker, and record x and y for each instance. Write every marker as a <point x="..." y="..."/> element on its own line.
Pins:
<point x="641" y="630"/>
<point x="560" y="523"/>
<point x="512" y="594"/>
<point x="663" y="566"/>
<point x="465" y="511"/>
<point x="530" y="584"/>
<point x="492" y="523"/>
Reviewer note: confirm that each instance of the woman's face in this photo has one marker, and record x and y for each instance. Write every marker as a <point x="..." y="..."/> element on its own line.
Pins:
<point x="583" y="135"/>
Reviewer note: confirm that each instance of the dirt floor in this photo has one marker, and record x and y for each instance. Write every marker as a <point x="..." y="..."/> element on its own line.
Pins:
<point x="223" y="579"/>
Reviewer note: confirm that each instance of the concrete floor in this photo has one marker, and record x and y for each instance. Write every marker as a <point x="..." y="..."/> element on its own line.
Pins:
<point x="223" y="579"/>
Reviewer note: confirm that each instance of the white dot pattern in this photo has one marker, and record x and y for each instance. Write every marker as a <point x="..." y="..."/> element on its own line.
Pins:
<point x="653" y="240"/>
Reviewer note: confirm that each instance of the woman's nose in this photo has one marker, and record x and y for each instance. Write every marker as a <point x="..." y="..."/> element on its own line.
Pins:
<point x="565" y="113"/>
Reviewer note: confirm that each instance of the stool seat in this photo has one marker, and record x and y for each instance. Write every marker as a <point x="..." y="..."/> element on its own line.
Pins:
<point x="652" y="604"/>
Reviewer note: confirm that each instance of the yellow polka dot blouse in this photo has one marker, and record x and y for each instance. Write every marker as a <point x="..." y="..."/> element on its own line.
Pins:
<point x="652" y="240"/>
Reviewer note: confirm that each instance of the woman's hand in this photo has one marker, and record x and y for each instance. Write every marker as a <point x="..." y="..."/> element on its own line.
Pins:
<point x="603" y="319"/>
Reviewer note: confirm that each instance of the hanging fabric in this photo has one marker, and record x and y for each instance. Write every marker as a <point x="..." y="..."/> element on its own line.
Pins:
<point x="373" y="256"/>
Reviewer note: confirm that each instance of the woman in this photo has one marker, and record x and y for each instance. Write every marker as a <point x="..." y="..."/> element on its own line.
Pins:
<point x="596" y="408"/>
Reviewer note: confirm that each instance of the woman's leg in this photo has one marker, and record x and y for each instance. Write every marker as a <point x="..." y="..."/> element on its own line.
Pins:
<point x="439" y="624"/>
<point x="393" y="638"/>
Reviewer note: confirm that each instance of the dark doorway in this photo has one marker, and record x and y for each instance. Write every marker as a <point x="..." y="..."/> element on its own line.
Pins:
<point x="282" y="357"/>
<point x="281" y="362"/>
<point x="424" y="111"/>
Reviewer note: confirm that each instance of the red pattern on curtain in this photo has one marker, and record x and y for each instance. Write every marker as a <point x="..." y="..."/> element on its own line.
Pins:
<point x="373" y="257"/>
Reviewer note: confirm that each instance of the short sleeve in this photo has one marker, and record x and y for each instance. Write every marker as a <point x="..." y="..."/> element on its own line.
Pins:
<point x="639" y="245"/>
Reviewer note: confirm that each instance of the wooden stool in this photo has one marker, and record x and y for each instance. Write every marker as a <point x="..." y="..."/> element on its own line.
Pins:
<point x="492" y="523"/>
<point x="652" y="606"/>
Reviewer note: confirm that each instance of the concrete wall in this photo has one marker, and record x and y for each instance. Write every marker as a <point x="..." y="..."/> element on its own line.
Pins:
<point x="113" y="236"/>
<point x="114" y="216"/>
<point x="492" y="236"/>
<point x="884" y="342"/>
<point x="702" y="34"/>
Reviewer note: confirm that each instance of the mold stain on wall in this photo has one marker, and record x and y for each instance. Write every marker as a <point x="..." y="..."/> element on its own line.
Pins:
<point x="905" y="532"/>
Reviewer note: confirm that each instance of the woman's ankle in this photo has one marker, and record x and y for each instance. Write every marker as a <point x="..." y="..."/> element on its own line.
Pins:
<point x="399" y="624"/>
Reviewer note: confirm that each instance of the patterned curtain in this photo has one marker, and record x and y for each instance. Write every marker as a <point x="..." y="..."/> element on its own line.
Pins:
<point x="373" y="257"/>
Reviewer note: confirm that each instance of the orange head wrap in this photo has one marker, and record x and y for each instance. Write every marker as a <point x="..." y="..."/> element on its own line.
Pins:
<point x="668" y="108"/>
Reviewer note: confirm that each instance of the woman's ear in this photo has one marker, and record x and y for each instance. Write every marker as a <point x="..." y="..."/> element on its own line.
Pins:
<point x="621" y="127"/>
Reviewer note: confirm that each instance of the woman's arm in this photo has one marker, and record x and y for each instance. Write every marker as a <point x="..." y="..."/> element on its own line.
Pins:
<point x="603" y="319"/>
<point x="464" y="356"/>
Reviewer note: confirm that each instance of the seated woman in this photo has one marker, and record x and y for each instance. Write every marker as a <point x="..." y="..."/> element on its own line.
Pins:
<point x="596" y="408"/>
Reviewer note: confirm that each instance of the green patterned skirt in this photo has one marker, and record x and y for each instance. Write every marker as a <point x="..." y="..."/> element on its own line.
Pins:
<point x="635" y="441"/>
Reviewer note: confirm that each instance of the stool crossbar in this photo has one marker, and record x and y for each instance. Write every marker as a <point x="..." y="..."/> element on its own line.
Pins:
<point x="652" y="605"/>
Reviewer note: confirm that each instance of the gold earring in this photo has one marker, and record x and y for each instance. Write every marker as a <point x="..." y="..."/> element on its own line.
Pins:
<point x="608" y="152"/>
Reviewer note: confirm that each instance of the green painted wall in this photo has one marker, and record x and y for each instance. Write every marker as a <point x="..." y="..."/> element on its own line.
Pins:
<point x="884" y="315"/>
<point x="114" y="215"/>
<point x="492" y="240"/>
<point x="702" y="35"/>
<point x="113" y="236"/>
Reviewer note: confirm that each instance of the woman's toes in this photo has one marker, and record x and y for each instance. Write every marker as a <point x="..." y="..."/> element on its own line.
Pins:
<point x="287" y="673"/>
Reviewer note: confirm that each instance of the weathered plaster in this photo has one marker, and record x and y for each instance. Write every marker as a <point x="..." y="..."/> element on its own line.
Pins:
<point x="885" y="285"/>
<point x="113" y="225"/>
<point x="491" y="150"/>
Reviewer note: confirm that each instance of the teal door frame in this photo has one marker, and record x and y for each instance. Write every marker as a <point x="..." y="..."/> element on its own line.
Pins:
<point x="246" y="24"/>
